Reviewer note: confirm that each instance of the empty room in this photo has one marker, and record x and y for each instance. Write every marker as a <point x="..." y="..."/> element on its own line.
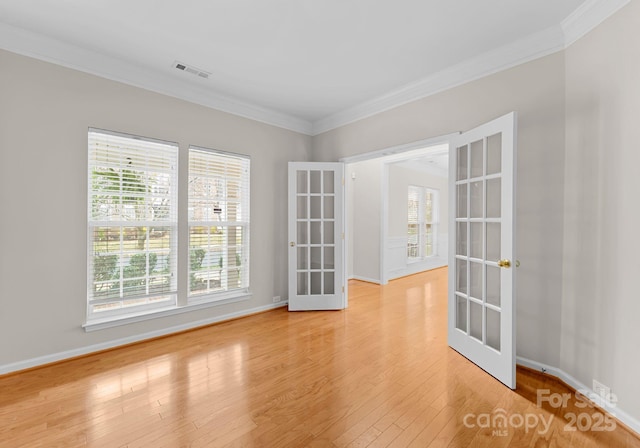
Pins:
<point x="319" y="224"/>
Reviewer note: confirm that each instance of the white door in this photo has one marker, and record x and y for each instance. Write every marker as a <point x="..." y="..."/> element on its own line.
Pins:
<point x="316" y="236"/>
<point x="481" y="322"/>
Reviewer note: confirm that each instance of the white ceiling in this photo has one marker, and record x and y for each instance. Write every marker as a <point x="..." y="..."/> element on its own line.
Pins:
<point x="301" y="64"/>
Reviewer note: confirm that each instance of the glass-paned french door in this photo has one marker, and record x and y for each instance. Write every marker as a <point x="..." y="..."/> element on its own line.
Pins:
<point x="481" y="276"/>
<point x="316" y="236"/>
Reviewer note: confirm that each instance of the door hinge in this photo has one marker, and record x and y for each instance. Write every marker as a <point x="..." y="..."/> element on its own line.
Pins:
<point x="342" y="235"/>
<point x="343" y="289"/>
<point x="343" y="181"/>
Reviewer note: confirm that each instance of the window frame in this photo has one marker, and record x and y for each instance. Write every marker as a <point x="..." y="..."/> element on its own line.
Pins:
<point x="126" y="206"/>
<point x="180" y="299"/>
<point x="243" y="205"/>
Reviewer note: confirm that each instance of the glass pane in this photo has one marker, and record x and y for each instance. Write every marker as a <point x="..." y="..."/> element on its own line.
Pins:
<point x="475" y="280"/>
<point x="462" y="201"/>
<point x="106" y="262"/>
<point x="477" y="168"/>
<point x="329" y="207"/>
<point x="316" y="261"/>
<point x="329" y="283"/>
<point x="428" y="240"/>
<point x="493" y="329"/>
<point x="315" y="181"/>
<point x="329" y="186"/>
<point x="329" y="260"/>
<point x="302" y="182"/>
<point x="412" y="241"/>
<point x="475" y="320"/>
<point x="476" y="199"/>
<point x="476" y="242"/>
<point x="302" y="258"/>
<point x="493" y="285"/>
<point x="316" y="283"/>
<point x="494" y="154"/>
<point x="233" y="279"/>
<point x="428" y="207"/>
<point x="463" y="163"/>
<point x="303" y="285"/>
<point x="302" y="233"/>
<point x="461" y="313"/>
<point x="493" y="241"/>
<point x="329" y="237"/>
<point x="461" y="276"/>
<point x="316" y="207"/>
<point x="493" y="198"/>
<point x="316" y="238"/>
<point x="302" y="207"/>
<point x="461" y="241"/>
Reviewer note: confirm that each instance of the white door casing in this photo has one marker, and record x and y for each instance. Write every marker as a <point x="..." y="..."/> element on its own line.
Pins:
<point x="481" y="318"/>
<point x="316" y="236"/>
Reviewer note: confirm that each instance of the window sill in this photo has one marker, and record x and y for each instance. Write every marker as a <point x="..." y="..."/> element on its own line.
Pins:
<point x="205" y="302"/>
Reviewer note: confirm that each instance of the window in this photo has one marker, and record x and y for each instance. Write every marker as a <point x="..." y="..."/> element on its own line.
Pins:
<point x="218" y="223"/>
<point x="132" y="224"/>
<point x="133" y="234"/>
<point x="422" y="226"/>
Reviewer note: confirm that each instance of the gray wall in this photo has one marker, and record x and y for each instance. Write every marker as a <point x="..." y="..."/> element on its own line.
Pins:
<point x="577" y="214"/>
<point x="364" y="209"/>
<point x="45" y="111"/>
<point x="536" y="91"/>
<point x="601" y="301"/>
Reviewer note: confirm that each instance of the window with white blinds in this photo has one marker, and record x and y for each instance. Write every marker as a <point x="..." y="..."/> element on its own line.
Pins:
<point x="132" y="224"/>
<point x="422" y="223"/>
<point x="218" y="223"/>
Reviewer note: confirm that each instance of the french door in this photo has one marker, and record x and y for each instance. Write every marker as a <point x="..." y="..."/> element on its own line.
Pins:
<point x="316" y="236"/>
<point x="481" y="323"/>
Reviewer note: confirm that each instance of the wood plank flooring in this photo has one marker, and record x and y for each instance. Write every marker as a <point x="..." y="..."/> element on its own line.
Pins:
<point x="378" y="374"/>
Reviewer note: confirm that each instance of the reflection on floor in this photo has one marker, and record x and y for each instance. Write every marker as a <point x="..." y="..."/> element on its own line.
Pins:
<point x="377" y="374"/>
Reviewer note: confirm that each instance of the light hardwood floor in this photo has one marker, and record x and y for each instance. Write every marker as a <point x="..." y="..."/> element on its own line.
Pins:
<point x="378" y="374"/>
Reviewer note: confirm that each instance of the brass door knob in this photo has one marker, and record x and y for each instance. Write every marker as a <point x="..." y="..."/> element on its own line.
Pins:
<point x="292" y="244"/>
<point x="504" y="263"/>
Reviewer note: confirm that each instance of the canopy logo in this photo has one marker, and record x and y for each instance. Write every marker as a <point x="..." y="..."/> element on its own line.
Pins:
<point x="500" y="421"/>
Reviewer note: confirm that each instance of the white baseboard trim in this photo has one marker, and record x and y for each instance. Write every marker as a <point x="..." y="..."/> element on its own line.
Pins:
<point x="419" y="266"/>
<point x="365" y="279"/>
<point x="60" y="356"/>
<point x="621" y="415"/>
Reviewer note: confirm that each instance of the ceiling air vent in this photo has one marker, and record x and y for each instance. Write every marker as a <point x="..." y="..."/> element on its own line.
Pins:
<point x="191" y="69"/>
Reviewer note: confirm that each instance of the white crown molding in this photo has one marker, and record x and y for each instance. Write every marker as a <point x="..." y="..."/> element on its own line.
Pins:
<point x="585" y="18"/>
<point x="40" y="47"/>
<point x="524" y="50"/>
<point x="588" y="16"/>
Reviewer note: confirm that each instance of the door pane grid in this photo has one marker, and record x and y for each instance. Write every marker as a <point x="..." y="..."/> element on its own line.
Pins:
<point x="481" y="296"/>
<point x="316" y="227"/>
<point x="473" y="213"/>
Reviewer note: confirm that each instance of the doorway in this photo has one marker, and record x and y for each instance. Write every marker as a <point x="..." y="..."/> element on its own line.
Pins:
<point x="381" y="246"/>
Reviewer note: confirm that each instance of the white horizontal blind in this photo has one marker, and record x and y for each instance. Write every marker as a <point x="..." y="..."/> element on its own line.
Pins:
<point x="132" y="224"/>
<point x="413" y="222"/>
<point x="430" y="225"/>
<point x="218" y="223"/>
<point x="422" y="219"/>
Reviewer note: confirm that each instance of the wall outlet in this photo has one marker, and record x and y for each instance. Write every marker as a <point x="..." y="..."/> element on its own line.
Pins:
<point x="276" y="299"/>
<point x="601" y="390"/>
